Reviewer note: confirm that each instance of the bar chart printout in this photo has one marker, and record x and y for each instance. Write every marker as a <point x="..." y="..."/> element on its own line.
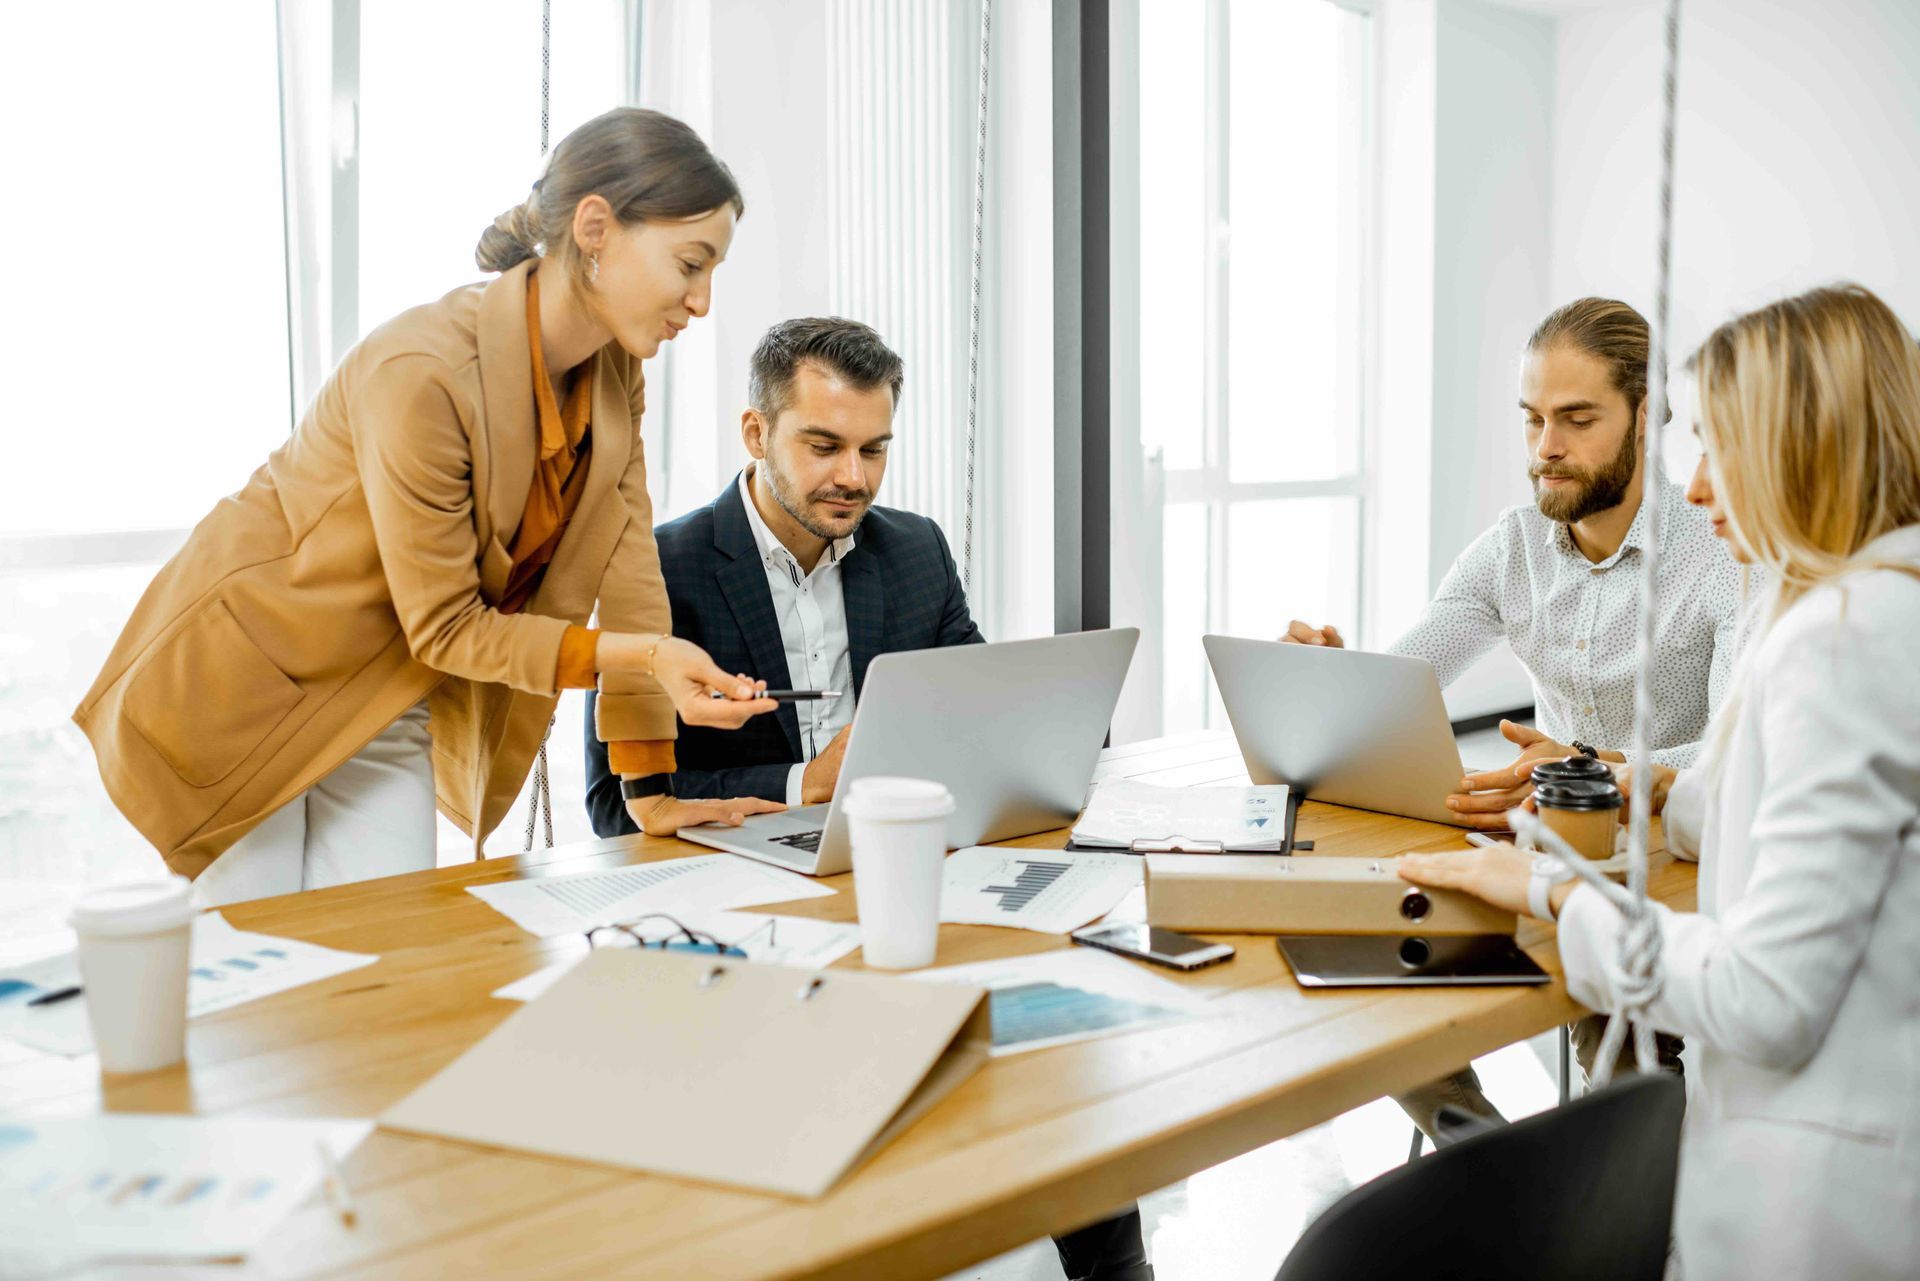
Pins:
<point x="1051" y="891"/>
<point x="1034" y="876"/>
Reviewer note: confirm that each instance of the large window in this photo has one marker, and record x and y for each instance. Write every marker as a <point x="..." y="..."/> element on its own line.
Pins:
<point x="1253" y="234"/>
<point x="144" y="356"/>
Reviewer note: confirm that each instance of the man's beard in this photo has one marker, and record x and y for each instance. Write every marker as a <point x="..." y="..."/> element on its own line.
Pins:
<point x="794" y="507"/>
<point x="1592" y="492"/>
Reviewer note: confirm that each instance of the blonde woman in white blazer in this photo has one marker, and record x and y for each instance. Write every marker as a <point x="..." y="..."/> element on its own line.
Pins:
<point x="1797" y="984"/>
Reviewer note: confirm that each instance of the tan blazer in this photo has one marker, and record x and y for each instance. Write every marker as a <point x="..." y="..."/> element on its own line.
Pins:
<point x="355" y="575"/>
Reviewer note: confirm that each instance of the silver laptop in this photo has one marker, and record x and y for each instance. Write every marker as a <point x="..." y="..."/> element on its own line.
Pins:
<point x="1013" y="730"/>
<point x="1340" y="725"/>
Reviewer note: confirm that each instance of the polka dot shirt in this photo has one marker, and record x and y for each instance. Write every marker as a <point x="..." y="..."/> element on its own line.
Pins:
<point x="1575" y="624"/>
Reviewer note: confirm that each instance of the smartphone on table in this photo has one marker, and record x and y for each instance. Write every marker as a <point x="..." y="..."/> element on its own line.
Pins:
<point x="1154" y="945"/>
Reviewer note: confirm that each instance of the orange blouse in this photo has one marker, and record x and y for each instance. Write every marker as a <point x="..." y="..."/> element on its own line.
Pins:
<point x="559" y="479"/>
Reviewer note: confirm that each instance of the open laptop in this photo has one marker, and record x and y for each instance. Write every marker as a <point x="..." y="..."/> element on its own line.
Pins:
<point x="1340" y="725"/>
<point x="1013" y="730"/>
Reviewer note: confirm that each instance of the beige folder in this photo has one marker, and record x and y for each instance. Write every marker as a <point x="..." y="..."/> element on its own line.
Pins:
<point x="710" y="1068"/>
<point x="1307" y="894"/>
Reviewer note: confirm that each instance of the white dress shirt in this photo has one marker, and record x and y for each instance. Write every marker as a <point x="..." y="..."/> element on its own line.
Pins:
<point x="1797" y="984"/>
<point x="1575" y="624"/>
<point x="812" y="610"/>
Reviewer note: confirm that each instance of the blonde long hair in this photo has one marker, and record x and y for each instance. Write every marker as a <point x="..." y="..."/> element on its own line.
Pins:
<point x="1810" y="412"/>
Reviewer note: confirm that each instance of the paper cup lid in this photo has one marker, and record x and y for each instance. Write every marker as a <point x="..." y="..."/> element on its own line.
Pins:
<point x="898" y="798"/>
<point x="134" y="908"/>
<point x="1578" y="794"/>
<point x="1571" y="769"/>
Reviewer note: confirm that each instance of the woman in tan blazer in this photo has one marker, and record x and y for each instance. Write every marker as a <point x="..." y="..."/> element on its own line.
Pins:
<point x="388" y="609"/>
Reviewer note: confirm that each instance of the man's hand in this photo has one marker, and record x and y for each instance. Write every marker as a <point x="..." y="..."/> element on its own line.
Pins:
<point x="1663" y="777"/>
<point x="1483" y="799"/>
<point x="1299" y="633"/>
<point x="823" y="771"/>
<point x="666" y="815"/>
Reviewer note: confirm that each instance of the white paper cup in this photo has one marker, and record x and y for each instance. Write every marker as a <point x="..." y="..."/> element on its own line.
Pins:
<point x="899" y="832"/>
<point x="136" y="944"/>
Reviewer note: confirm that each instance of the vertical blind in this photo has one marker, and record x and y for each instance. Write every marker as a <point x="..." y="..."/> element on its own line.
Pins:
<point x="899" y="75"/>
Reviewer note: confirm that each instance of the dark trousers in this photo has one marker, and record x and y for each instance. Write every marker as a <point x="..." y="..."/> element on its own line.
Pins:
<point x="1110" y="1250"/>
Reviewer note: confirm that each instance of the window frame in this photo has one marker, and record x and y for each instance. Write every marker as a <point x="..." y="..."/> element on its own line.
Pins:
<point x="1210" y="485"/>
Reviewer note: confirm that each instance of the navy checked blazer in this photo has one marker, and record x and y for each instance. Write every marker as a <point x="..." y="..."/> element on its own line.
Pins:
<point x="902" y="591"/>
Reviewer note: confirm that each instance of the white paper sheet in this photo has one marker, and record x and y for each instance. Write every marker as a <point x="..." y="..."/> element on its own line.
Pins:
<point x="153" y="1187"/>
<point x="1051" y="891"/>
<point x="572" y="904"/>
<point x="1122" y="811"/>
<point x="230" y="967"/>
<point x="772" y="940"/>
<point x="1056" y="998"/>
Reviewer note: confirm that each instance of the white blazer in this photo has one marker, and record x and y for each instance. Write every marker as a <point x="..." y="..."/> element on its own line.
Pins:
<point x="1797" y="984"/>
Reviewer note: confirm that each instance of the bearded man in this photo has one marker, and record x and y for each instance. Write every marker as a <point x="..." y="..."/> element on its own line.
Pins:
<point x="1559" y="580"/>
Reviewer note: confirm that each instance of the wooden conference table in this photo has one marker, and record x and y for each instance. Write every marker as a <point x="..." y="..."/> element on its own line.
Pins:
<point x="1032" y="1144"/>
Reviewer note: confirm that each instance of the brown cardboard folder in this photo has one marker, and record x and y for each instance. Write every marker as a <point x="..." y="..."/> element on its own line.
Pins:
<point x="702" y="1067"/>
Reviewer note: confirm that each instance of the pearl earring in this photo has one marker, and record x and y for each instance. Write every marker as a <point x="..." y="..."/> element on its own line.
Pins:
<point x="593" y="268"/>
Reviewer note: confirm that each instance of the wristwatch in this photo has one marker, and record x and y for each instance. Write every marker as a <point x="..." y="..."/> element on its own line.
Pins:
<point x="636" y="789"/>
<point x="1547" y="872"/>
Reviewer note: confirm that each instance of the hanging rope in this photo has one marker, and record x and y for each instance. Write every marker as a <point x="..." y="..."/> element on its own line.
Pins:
<point x="540" y="803"/>
<point x="539" y="800"/>
<point x="1640" y="940"/>
<point x="546" y="67"/>
<point x="973" y="324"/>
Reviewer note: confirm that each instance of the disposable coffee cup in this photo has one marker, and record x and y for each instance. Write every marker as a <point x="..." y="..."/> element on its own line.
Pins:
<point x="136" y="944"/>
<point x="899" y="832"/>
<point x="1583" y="812"/>
<point x="1573" y="769"/>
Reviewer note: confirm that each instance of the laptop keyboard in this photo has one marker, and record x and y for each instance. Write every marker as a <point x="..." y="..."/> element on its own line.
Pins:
<point x="807" y="841"/>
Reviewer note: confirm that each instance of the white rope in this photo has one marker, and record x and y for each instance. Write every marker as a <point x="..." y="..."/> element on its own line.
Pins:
<point x="539" y="800"/>
<point x="973" y="324"/>
<point x="1641" y="979"/>
<point x="1640" y="982"/>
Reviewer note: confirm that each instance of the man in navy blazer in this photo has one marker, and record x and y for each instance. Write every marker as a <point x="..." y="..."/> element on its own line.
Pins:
<point x="901" y="590"/>
<point x="793" y="577"/>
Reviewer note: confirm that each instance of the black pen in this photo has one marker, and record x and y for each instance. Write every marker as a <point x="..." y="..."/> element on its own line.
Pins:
<point x="787" y="695"/>
<point x="55" y="997"/>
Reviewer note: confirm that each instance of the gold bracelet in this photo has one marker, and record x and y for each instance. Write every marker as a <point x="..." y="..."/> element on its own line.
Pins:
<point x="651" y="651"/>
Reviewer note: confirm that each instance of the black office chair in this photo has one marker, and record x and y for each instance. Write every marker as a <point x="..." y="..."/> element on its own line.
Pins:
<point x="1584" y="1190"/>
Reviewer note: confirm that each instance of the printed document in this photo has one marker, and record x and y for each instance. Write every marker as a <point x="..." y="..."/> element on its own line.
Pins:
<point x="1051" y="891"/>
<point x="771" y="940"/>
<point x="573" y="904"/>
<point x="1125" y="814"/>
<point x="76" y="1189"/>
<point x="229" y="967"/>
<point x="1076" y="994"/>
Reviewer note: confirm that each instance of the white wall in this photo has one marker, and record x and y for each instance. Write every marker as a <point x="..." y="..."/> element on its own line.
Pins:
<point x="1798" y="164"/>
<point x="1462" y="108"/>
<point x="1798" y="154"/>
<point x="1401" y="441"/>
<point x="1493" y="167"/>
<point x="768" y="85"/>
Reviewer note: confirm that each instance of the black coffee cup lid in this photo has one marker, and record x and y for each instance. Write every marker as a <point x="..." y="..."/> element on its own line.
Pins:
<point x="1574" y="767"/>
<point x="1578" y="794"/>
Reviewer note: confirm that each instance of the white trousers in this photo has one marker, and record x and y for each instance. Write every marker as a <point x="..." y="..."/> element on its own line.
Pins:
<point x="373" y="816"/>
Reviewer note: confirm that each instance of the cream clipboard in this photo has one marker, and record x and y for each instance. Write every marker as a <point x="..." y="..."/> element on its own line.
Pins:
<point x="757" y="1076"/>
